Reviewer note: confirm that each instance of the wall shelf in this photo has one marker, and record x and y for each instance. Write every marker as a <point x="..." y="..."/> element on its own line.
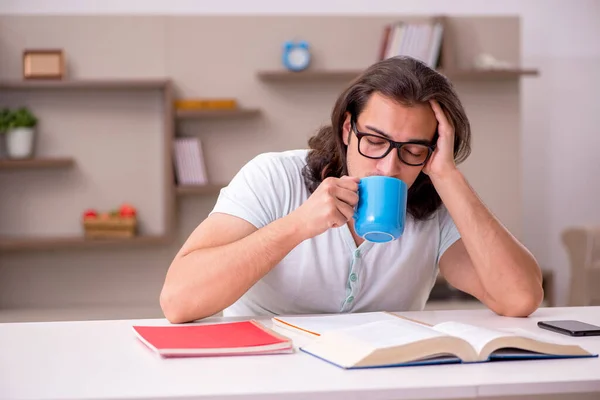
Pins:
<point x="211" y="188"/>
<point x="95" y="84"/>
<point x="307" y="75"/>
<point x="160" y="86"/>
<point x="474" y="74"/>
<point x="213" y="114"/>
<point x="462" y="74"/>
<point x="33" y="163"/>
<point x="76" y="242"/>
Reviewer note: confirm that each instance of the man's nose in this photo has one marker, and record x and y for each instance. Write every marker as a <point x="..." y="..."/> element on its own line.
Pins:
<point x="390" y="164"/>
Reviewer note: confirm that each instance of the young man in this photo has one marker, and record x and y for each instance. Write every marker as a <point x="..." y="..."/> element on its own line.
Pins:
<point x="280" y="239"/>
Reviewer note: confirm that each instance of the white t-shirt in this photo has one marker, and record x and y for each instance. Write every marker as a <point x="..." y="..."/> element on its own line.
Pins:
<point x="329" y="273"/>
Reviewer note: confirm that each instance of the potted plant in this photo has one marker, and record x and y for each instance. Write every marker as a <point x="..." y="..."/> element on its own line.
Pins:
<point x="5" y="116"/>
<point x="20" y="134"/>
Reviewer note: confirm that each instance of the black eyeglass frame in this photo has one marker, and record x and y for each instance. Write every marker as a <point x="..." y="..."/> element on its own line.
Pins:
<point x="392" y="144"/>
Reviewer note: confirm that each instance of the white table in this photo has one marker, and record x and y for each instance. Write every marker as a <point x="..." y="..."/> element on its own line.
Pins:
<point x="103" y="360"/>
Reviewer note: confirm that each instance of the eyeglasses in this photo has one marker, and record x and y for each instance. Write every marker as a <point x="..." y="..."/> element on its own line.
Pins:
<point x="377" y="147"/>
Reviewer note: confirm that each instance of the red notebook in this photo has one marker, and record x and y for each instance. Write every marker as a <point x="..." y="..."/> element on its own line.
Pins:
<point x="230" y="338"/>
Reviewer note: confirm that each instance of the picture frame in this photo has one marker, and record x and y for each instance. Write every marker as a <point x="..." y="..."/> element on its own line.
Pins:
<point x="43" y="64"/>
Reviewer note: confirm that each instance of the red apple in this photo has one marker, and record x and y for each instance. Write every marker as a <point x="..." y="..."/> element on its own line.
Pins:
<point x="90" y="213"/>
<point x="127" y="210"/>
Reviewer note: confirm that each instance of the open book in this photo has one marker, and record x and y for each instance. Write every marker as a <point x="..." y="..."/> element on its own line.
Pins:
<point x="314" y="326"/>
<point x="394" y="341"/>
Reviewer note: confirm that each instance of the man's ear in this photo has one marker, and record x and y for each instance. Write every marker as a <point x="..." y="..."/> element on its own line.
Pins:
<point x="346" y="127"/>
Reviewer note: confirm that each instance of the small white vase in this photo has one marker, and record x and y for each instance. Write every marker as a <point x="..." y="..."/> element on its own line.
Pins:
<point x="19" y="142"/>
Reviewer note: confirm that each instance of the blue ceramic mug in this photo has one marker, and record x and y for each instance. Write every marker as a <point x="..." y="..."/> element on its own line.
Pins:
<point x="381" y="209"/>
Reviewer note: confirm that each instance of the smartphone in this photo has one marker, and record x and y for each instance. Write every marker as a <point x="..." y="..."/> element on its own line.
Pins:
<point x="571" y="327"/>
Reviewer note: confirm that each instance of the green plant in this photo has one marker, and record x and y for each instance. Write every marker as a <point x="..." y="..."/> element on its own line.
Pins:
<point x="22" y="118"/>
<point x="5" y="117"/>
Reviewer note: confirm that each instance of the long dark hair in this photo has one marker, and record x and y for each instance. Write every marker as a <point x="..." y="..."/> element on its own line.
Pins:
<point x="409" y="82"/>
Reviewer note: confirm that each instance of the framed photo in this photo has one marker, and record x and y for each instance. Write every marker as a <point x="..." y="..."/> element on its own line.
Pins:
<point x="43" y="64"/>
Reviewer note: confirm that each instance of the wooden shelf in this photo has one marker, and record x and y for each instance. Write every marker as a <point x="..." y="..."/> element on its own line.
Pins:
<point x="32" y="163"/>
<point x="474" y="74"/>
<point x="211" y="188"/>
<point x="201" y="114"/>
<point x="466" y="74"/>
<point x="67" y="243"/>
<point x="307" y="75"/>
<point x="95" y="84"/>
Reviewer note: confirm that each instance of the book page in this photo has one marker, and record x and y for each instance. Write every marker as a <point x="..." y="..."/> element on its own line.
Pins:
<point x="542" y="336"/>
<point x="383" y="334"/>
<point x="477" y="336"/>
<point x="321" y="323"/>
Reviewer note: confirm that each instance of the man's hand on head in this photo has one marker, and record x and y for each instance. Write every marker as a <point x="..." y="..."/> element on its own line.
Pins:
<point x="442" y="161"/>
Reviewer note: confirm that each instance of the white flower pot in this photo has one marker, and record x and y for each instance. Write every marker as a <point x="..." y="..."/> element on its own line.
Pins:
<point x="19" y="142"/>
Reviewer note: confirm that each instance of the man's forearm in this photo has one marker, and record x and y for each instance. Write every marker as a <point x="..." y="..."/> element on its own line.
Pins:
<point x="504" y="266"/>
<point x="209" y="280"/>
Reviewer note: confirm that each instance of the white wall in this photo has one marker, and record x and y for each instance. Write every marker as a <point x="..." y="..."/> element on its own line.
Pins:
<point x="561" y="110"/>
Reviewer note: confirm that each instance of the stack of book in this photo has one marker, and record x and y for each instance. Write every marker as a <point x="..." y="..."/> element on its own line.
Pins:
<point x="422" y="41"/>
<point x="206" y="104"/>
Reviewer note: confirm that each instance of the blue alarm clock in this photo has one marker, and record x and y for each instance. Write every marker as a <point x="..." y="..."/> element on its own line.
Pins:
<point x="296" y="55"/>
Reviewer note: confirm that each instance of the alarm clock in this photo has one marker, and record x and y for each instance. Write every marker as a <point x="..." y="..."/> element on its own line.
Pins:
<point x="296" y="55"/>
